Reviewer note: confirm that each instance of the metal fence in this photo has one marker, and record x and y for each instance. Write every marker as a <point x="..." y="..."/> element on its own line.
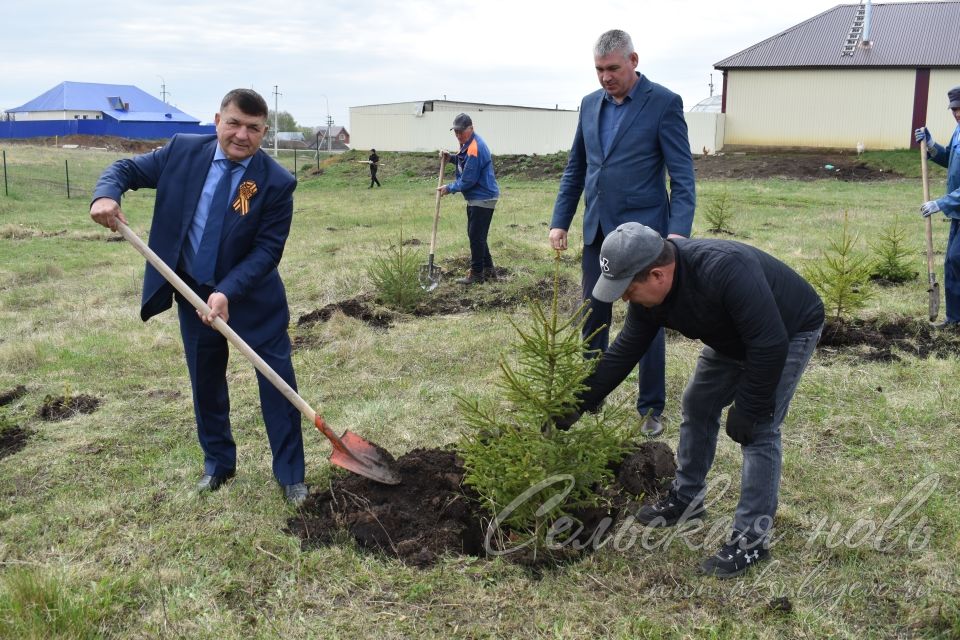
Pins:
<point x="50" y="170"/>
<point x="73" y="173"/>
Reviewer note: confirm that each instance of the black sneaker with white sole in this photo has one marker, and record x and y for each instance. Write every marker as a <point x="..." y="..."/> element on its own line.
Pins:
<point x="670" y="511"/>
<point x="736" y="556"/>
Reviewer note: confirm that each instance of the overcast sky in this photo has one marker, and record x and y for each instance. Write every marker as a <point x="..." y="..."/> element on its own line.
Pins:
<point x="341" y="53"/>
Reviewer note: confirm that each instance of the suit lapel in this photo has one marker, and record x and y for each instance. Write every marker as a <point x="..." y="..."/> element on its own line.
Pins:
<point x="199" y="166"/>
<point x="640" y="97"/>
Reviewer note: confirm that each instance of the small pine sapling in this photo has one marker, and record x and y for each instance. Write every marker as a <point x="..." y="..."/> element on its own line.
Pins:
<point x="395" y="275"/>
<point x="719" y="213"/>
<point x="527" y="472"/>
<point x="842" y="276"/>
<point x="891" y="253"/>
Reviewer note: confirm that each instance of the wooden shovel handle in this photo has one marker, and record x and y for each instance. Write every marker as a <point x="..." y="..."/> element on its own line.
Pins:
<point x="218" y="323"/>
<point x="436" y="215"/>
<point x="926" y="198"/>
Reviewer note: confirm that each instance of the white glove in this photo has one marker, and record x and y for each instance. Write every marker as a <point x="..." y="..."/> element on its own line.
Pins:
<point x="929" y="208"/>
<point x="922" y="134"/>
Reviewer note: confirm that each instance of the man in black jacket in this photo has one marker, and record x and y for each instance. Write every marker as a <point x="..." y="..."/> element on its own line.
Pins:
<point x="374" y="161"/>
<point x="760" y="323"/>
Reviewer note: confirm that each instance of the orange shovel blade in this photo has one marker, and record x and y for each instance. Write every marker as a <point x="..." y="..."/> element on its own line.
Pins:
<point x="353" y="453"/>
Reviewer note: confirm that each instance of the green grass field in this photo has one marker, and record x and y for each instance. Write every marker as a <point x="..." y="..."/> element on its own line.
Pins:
<point x="103" y="536"/>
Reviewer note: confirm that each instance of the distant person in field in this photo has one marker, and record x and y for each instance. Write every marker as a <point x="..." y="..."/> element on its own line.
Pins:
<point x="949" y="157"/>
<point x="630" y="135"/>
<point x="374" y="160"/>
<point x="221" y="219"/>
<point x="476" y="181"/>
<point x="759" y="322"/>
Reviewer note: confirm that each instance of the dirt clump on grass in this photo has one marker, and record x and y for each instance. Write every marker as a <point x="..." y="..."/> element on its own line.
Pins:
<point x="360" y="308"/>
<point x="878" y="341"/>
<point x="12" y="439"/>
<point x="794" y="165"/>
<point x="65" y="407"/>
<point x="448" y="299"/>
<point x="431" y="512"/>
<point x="13" y="394"/>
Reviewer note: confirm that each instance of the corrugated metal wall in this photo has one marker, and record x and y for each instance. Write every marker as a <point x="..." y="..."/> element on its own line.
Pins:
<point x="131" y="130"/>
<point x="820" y="108"/>
<point x="508" y="130"/>
<point x="705" y="131"/>
<point x="940" y="121"/>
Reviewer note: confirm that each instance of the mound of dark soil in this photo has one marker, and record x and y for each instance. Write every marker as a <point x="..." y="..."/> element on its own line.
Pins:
<point x="9" y="396"/>
<point x="788" y="164"/>
<point x="360" y="308"/>
<point x="875" y="341"/>
<point x="12" y="439"/>
<point x="448" y="298"/>
<point x="431" y="513"/>
<point x="64" y="407"/>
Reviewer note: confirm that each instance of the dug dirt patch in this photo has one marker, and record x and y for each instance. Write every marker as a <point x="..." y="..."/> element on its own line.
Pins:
<point x="872" y="340"/>
<point x="788" y="164"/>
<point x="13" y="394"/>
<point x="12" y="439"/>
<point x="361" y="308"/>
<point x="431" y="513"/>
<point x="64" y="407"/>
<point x="449" y="298"/>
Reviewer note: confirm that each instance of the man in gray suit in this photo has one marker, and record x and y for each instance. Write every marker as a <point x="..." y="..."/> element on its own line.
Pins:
<point x="630" y="134"/>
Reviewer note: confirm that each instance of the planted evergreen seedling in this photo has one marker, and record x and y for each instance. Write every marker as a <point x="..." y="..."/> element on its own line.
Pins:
<point x="527" y="472"/>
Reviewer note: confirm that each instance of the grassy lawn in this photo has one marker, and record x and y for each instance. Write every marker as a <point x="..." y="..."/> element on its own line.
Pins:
<point x="103" y="535"/>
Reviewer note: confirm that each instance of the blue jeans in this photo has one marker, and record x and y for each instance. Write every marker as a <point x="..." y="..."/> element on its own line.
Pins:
<point x="711" y="387"/>
<point x="652" y="392"/>
<point x="478" y="225"/>
<point x="951" y="273"/>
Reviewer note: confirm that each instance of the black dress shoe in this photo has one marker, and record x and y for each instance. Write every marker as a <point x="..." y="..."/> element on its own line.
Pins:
<point x="212" y="483"/>
<point x="295" y="494"/>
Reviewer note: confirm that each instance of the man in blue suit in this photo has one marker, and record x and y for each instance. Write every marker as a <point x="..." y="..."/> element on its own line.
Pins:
<point x="221" y="219"/>
<point x="629" y="135"/>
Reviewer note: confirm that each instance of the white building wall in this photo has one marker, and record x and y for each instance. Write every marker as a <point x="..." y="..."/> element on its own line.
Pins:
<point x="705" y="131"/>
<point x="507" y="132"/>
<point x="57" y="115"/>
<point x="820" y="108"/>
<point x="506" y="129"/>
<point x="940" y="120"/>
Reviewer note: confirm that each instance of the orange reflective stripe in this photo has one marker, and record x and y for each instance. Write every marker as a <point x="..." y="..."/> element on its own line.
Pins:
<point x="472" y="149"/>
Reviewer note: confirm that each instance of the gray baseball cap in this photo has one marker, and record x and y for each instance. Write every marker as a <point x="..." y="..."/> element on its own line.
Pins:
<point x="461" y="122"/>
<point x="954" y="96"/>
<point x="631" y="248"/>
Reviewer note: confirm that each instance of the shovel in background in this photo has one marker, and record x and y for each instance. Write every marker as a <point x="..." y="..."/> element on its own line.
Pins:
<point x="350" y="451"/>
<point x="934" y="289"/>
<point x="429" y="273"/>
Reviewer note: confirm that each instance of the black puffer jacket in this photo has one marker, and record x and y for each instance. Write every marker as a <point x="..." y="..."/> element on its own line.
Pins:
<point x="743" y="302"/>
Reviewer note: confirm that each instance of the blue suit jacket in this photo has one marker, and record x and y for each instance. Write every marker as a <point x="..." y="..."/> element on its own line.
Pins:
<point x="251" y="245"/>
<point x="628" y="184"/>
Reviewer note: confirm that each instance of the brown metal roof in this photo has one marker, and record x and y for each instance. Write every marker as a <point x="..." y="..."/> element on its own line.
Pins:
<point x="908" y="34"/>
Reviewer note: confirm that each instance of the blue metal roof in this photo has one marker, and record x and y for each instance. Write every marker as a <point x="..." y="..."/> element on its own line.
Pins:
<point x="92" y="96"/>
